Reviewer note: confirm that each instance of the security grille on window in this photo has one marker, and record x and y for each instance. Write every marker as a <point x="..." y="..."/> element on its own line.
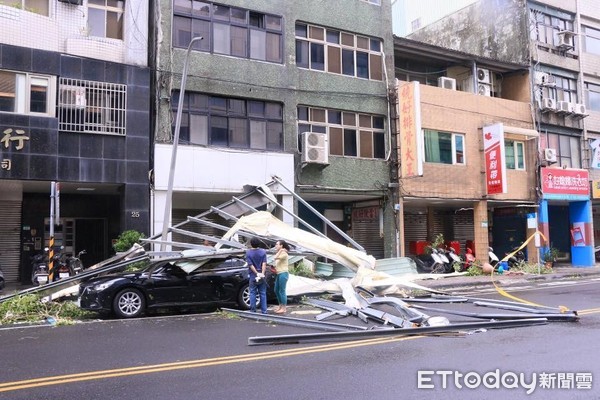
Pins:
<point x="546" y="24"/>
<point x="91" y="107"/>
<point x="350" y="134"/>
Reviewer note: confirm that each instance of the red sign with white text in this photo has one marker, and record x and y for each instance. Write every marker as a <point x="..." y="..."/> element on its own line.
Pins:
<point x="495" y="167"/>
<point x="565" y="181"/>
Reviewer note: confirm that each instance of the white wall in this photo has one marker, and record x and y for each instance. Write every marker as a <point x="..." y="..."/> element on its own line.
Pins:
<point x="210" y="170"/>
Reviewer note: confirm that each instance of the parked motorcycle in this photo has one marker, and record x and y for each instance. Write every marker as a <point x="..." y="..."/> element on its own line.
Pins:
<point x="516" y="259"/>
<point x="74" y="262"/>
<point x="39" y="268"/>
<point x="2" y="282"/>
<point x="433" y="263"/>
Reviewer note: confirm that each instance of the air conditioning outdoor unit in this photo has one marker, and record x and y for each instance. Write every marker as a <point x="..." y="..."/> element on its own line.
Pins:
<point x="484" y="90"/>
<point x="550" y="155"/>
<point x="447" y="83"/>
<point x="315" y="148"/>
<point x="564" y="107"/>
<point x="548" y="104"/>
<point x="73" y="2"/>
<point x="72" y="97"/>
<point x="579" y="109"/>
<point x="483" y="75"/>
<point x="565" y="40"/>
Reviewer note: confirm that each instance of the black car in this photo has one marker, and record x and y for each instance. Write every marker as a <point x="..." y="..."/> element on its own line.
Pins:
<point x="175" y="283"/>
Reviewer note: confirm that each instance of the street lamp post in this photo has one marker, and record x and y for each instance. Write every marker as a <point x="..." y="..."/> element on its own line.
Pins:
<point x="168" y="200"/>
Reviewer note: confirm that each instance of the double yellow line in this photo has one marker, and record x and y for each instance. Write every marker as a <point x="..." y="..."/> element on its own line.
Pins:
<point x="115" y="373"/>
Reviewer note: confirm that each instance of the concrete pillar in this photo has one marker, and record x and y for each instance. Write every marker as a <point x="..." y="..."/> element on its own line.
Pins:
<point x="481" y="223"/>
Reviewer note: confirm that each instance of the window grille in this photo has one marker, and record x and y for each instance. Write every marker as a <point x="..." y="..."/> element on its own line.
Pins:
<point x="91" y="107"/>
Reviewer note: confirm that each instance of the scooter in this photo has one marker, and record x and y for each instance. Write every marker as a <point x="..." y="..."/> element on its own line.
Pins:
<point x="39" y="268"/>
<point x="517" y="259"/>
<point x="2" y="283"/>
<point x="434" y="263"/>
<point x="494" y="260"/>
<point x="75" y="264"/>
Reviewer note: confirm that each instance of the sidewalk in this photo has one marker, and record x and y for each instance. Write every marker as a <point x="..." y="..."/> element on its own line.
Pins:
<point x="559" y="272"/>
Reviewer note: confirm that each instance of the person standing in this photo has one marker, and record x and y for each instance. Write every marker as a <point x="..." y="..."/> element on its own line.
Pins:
<point x="281" y="267"/>
<point x="256" y="258"/>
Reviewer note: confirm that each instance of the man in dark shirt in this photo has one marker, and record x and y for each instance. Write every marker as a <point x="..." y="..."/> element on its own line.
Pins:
<point x="257" y="267"/>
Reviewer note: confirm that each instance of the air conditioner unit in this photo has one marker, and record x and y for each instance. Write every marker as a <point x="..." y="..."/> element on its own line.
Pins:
<point x="550" y="155"/>
<point x="484" y="90"/>
<point x="315" y="148"/>
<point x="565" y="40"/>
<point x="483" y="75"/>
<point x="579" y="109"/>
<point x="72" y="97"/>
<point x="548" y="104"/>
<point x="73" y="2"/>
<point x="564" y="107"/>
<point x="447" y="83"/>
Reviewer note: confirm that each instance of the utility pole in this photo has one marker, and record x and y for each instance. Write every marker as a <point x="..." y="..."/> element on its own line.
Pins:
<point x="169" y="199"/>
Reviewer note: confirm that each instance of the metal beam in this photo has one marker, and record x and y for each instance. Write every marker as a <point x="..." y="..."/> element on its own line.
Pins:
<point x="427" y="330"/>
<point x="301" y="322"/>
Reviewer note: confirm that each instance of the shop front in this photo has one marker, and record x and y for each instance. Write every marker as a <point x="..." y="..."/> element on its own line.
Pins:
<point x="565" y="215"/>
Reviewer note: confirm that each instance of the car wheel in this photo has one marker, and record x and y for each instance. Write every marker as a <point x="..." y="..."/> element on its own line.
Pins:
<point x="244" y="298"/>
<point x="129" y="303"/>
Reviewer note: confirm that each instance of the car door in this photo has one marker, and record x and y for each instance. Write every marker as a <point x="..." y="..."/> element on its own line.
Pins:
<point x="218" y="280"/>
<point x="168" y="285"/>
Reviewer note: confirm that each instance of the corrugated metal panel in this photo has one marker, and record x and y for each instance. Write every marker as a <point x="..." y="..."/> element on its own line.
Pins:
<point x="464" y="228"/>
<point x="10" y="240"/>
<point x="415" y="228"/>
<point x="366" y="233"/>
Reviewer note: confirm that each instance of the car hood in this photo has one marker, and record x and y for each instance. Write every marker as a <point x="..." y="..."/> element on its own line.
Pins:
<point x="129" y="276"/>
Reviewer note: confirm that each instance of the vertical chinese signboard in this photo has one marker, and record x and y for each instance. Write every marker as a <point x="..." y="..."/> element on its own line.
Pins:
<point x="495" y="165"/>
<point x="411" y="159"/>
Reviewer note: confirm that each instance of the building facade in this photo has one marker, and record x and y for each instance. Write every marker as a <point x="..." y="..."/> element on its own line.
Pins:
<point x="558" y="40"/>
<point x="74" y="109"/>
<point x="445" y="180"/>
<point x="277" y="88"/>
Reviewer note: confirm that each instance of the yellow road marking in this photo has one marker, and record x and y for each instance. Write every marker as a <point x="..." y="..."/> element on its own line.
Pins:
<point x="113" y="373"/>
<point x="589" y="311"/>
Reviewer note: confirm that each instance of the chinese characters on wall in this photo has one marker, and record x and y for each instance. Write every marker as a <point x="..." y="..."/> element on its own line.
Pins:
<point x="12" y="138"/>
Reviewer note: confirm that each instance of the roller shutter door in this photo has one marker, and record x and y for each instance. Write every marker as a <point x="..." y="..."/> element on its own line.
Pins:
<point x="10" y="240"/>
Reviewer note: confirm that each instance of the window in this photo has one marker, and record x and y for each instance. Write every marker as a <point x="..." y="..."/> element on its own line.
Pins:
<point x="228" y="30"/>
<point x="546" y="24"/>
<point x="35" y="6"/>
<point x="229" y="122"/>
<point x="514" y="154"/>
<point x="444" y="147"/>
<point x="26" y="93"/>
<point x="338" y="52"/>
<point x="568" y="148"/>
<point x="350" y="134"/>
<point x="593" y="96"/>
<point x="591" y="40"/>
<point x="564" y="89"/>
<point x="105" y="18"/>
<point x="91" y="107"/>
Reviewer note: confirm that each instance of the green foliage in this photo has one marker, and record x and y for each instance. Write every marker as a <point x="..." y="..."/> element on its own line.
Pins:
<point x="531" y="268"/>
<point x="551" y="255"/>
<point x="136" y="266"/>
<point x="437" y="243"/>
<point x="301" y="269"/>
<point x="31" y="308"/>
<point x="127" y="239"/>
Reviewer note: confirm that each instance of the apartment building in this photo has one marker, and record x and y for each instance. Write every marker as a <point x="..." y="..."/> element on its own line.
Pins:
<point x="558" y="40"/>
<point x="276" y="88"/>
<point x="448" y="182"/>
<point x="74" y="110"/>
